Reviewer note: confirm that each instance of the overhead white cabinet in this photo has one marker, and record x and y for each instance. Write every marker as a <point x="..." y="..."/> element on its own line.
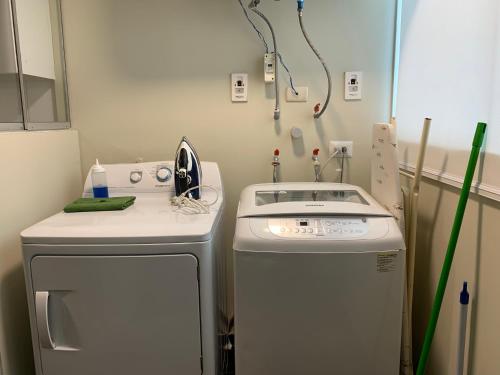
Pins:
<point x="35" y="38"/>
<point x="7" y="46"/>
<point x="124" y="315"/>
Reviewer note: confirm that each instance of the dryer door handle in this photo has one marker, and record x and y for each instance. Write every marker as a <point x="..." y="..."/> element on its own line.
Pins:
<point x="42" y="320"/>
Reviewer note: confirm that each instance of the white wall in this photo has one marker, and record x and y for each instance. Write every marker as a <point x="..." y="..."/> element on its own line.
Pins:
<point x="143" y="74"/>
<point x="476" y="260"/>
<point x="41" y="173"/>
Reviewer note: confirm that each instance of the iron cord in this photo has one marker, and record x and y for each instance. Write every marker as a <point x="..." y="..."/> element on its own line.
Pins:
<point x="191" y="206"/>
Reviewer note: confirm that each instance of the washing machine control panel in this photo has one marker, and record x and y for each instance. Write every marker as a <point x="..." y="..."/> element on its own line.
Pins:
<point x="331" y="227"/>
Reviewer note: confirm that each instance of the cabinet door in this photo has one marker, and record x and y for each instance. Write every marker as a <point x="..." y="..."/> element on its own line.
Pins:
<point x="127" y="315"/>
<point x="11" y="115"/>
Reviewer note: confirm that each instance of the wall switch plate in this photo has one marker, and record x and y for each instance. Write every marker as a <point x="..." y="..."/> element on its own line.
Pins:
<point x="239" y="87"/>
<point x="338" y="145"/>
<point x="269" y="67"/>
<point x="301" y="95"/>
<point x="353" y="86"/>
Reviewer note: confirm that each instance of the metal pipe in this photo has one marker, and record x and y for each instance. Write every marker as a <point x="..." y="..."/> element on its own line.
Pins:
<point x="316" y="165"/>
<point x="253" y="7"/>
<point x="462" y="328"/>
<point x="276" y="163"/>
<point x="452" y="245"/>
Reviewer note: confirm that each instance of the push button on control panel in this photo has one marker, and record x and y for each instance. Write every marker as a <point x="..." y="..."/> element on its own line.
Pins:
<point x="329" y="228"/>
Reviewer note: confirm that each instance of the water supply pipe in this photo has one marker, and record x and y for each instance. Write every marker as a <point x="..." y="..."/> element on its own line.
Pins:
<point x="316" y="165"/>
<point x="452" y="245"/>
<point x="318" y="111"/>
<point x="276" y="163"/>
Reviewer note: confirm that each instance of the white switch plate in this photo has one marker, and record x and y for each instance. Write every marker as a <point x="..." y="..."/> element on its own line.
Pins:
<point x="239" y="87"/>
<point x="301" y="96"/>
<point x="337" y="145"/>
<point x="269" y="68"/>
<point x="353" y="86"/>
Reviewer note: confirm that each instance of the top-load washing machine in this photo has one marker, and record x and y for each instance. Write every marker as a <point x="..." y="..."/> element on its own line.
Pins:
<point x="319" y="275"/>
<point x="126" y="292"/>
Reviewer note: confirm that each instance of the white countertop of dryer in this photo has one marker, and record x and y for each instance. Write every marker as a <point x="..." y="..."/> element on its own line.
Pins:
<point x="148" y="220"/>
<point x="151" y="219"/>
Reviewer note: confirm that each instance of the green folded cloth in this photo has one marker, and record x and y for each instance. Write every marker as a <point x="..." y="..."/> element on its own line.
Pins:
<point x="99" y="204"/>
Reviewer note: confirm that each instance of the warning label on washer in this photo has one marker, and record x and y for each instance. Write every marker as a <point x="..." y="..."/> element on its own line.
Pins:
<point x="386" y="262"/>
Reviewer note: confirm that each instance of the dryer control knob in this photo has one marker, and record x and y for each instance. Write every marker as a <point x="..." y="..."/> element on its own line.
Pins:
<point x="135" y="177"/>
<point x="163" y="174"/>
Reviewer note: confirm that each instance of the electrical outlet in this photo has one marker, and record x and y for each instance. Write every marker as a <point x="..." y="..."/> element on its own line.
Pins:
<point x="239" y="87"/>
<point x="353" y="86"/>
<point x="300" y="96"/>
<point x="338" y="146"/>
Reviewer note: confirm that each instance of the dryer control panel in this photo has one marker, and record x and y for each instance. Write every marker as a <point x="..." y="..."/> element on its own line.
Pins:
<point x="332" y="227"/>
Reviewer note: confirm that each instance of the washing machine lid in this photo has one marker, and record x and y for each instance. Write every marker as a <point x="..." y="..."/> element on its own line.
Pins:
<point x="307" y="198"/>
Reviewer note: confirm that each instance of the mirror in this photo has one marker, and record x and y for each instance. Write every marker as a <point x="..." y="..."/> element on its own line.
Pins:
<point x="10" y="94"/>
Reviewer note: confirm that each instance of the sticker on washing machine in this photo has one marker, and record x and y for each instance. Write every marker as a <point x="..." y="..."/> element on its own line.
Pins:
<point x="386" y="262"/>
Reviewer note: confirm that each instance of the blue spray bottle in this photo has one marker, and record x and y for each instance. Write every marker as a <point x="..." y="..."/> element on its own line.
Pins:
<point x="99" y="181"/>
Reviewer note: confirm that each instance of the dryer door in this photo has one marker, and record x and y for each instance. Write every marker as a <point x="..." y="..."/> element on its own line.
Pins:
<point x="124" y="315"/>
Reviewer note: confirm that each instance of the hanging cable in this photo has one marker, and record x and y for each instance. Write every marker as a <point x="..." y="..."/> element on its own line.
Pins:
<point x="289" y="74"/>
<point x="266" y="45"/>
<point x="342" y="169"/>
<point x="326" y="163"/>
<point x="318" y="111"/>
<point x="261" y="37"/>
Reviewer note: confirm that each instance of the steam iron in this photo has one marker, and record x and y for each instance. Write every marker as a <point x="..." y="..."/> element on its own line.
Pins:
<point x="187" y="170"/>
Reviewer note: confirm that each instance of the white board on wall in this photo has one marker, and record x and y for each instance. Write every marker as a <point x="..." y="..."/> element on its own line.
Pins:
<point x="450" y="71"/>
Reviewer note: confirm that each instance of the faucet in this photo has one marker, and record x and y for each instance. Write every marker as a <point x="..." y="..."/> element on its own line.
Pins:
<point x="276" y="163"/>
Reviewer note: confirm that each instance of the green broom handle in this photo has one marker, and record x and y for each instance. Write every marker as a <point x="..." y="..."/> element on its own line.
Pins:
<point x="452" y="245"/>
